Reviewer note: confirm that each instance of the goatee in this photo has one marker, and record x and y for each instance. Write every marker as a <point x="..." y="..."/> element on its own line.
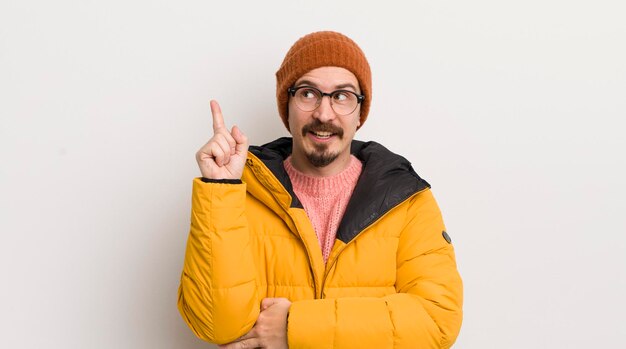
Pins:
<point x="321" y="156"/>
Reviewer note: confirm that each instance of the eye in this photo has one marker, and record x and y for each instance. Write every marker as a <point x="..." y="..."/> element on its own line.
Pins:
<point x="342" y="96"/>
<point x="308" y="93"/>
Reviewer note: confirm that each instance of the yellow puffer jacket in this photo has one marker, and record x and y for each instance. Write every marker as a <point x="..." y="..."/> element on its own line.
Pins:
<point x="390" y="281"/>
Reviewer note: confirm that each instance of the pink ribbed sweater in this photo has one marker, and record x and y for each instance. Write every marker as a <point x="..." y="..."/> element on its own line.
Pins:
<point x="325" y="199"/>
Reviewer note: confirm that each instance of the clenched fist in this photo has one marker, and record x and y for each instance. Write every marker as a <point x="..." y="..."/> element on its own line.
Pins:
<point x="224" y="155"/>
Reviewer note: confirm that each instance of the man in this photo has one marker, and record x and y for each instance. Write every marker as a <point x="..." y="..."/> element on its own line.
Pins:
<point x="317" y="241"/>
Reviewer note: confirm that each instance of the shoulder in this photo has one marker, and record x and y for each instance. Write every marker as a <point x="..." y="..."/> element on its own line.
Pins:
<point x="383" y="166"/>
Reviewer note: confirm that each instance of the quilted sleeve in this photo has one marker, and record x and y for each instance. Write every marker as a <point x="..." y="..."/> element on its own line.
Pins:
<point x="218" y="296"/>
<point x="426" y="311"/>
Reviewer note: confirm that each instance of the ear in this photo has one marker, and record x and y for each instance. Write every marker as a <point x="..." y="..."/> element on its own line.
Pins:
<point x="286" y="123"/>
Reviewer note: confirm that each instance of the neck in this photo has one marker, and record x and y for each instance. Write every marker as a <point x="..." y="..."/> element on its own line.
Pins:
<point x="300" y="162"/>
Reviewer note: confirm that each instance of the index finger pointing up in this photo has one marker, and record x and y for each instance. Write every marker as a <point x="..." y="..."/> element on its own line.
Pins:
<point x="218" y="119"/>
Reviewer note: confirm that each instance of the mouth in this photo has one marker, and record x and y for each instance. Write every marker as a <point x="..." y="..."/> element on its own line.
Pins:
<point x="322" y="132"/>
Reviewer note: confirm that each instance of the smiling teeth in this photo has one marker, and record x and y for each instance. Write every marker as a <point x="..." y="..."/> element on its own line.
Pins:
<point x="323" y="134"/>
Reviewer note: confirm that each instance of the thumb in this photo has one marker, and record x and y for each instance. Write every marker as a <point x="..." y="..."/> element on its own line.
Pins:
<point x="241" y="140"/>
<point x="267" y="302"/>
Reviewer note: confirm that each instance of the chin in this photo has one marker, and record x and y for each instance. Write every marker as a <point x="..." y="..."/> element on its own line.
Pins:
<point x="322" y="159"/>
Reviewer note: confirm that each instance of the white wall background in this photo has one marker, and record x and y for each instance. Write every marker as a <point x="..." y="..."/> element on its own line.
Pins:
<point x="514" y="111"/>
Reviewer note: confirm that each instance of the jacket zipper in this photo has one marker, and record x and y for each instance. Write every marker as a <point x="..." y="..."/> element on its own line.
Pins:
<point x="250" y="163"/>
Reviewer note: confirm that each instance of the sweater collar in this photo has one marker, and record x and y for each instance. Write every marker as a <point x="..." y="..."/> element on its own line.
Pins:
<point x="324" y="186"/>
<point x="386" y="180"/>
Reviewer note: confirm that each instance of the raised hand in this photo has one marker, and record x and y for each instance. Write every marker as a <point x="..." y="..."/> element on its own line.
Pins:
<point x="224" y="155"/>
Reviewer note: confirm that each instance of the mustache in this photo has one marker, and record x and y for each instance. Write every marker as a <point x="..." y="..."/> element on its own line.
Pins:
<point x="318" y="126"/>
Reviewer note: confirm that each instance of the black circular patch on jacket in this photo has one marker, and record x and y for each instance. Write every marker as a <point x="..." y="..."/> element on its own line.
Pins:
<point x="446" y="236"/>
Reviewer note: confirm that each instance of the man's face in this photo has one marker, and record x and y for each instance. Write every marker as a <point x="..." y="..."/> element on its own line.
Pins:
<point x="322" y="136"/>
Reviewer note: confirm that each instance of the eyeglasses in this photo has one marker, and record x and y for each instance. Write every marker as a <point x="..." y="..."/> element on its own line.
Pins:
<point x="309" y="98"/>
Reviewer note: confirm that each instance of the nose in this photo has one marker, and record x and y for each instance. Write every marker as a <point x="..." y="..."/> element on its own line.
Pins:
<point x="324" y="112"/>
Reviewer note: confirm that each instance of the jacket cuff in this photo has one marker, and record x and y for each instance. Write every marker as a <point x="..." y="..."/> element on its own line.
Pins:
<point x="217" y="203"/>
<point x="225" y="181"/>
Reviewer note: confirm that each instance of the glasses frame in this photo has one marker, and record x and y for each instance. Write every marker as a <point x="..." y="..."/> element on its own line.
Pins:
<point x="359" y="98"/>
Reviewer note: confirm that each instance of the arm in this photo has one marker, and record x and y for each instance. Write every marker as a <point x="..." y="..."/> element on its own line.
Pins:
<point x="270" y="329"/>
<point x="424" y="313"/>
<point x="218" y="294"/>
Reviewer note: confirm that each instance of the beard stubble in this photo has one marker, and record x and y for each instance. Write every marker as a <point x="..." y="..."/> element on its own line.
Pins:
<point x="321" y="155"/>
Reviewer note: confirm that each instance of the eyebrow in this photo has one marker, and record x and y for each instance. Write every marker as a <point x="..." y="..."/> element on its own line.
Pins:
<point x="338" y="87"/>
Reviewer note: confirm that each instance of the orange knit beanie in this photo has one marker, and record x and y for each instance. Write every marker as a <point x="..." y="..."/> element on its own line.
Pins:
<point x="322" y="49"/>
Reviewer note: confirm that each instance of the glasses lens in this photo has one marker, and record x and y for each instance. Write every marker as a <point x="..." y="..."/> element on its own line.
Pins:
<point x="344" y="102"/>
<point x="307" y="99"/>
